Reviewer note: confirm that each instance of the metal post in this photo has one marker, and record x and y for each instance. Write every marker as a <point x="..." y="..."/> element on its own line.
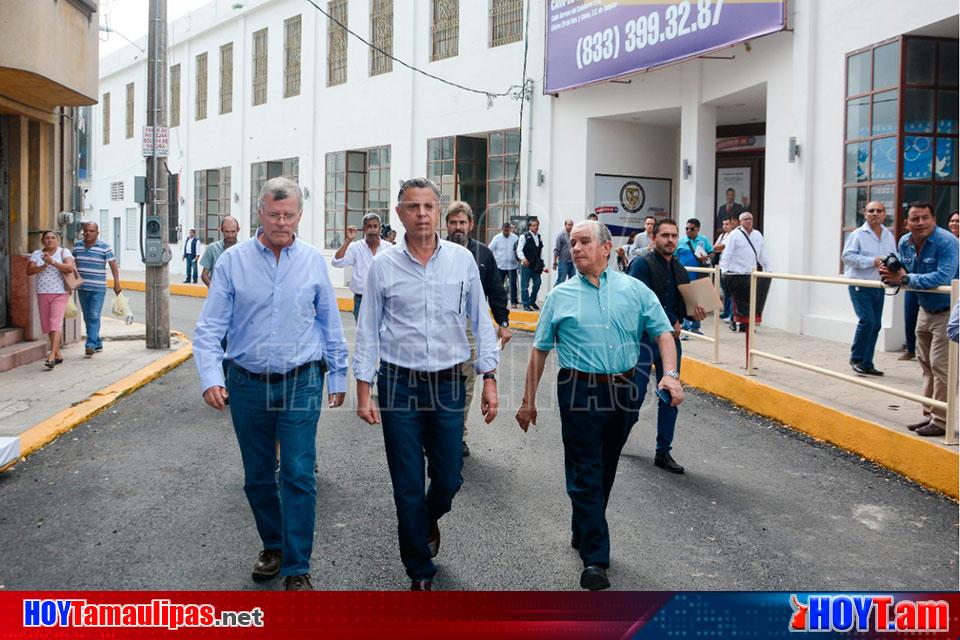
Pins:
<point x="716" y="317"/>
<point x="750" y="321"/>
<point x="157" y="277"/>
<point x="950" y="435"/>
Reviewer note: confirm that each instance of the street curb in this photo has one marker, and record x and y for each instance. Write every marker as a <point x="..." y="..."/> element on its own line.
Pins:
<point x="176" y="288"/>
<point x="923" y="462"/>
<point x="45" y="432"/>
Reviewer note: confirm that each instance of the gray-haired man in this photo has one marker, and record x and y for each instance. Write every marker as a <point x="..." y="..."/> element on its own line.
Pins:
<point x="359" y="255"/>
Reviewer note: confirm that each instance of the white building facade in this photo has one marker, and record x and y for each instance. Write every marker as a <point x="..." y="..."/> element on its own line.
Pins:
<point x="867" y="90"/>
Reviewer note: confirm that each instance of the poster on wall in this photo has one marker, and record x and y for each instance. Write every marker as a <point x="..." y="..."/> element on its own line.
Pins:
<point x="592" y="40"/>
<point x="736" y="178"/>
<point x="622" y="202"/>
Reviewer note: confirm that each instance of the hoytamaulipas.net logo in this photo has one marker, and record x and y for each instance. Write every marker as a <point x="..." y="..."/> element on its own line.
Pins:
<point x="850" y="612"/>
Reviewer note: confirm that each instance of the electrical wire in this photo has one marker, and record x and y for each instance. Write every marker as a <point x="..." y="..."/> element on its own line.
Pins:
<point x="513" y="91"/>
<point x="523" y="98"/>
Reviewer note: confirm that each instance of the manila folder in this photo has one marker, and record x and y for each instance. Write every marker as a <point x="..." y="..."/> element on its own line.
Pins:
<point x="700" y="292"/>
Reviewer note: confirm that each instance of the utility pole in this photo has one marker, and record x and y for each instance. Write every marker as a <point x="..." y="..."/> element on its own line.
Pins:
<point x="158" y="278"/>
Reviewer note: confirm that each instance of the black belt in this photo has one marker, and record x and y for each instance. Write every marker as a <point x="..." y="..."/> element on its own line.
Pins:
<point x="273" y="378"/>
<point x="617" y="378"/>
<point x="453" y="373"/>
<point x="933" y="313"/>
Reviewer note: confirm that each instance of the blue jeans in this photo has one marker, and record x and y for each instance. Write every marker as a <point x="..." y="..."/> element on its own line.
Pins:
<point x="565" y="270"/>
<point x="595" y="420"/>
<point x="421" y="416"/>
<point x="91" y="303"/>
<point x="286" y="412"/>
<point x="911" y="307"/>
<point x="356" y="306"/>
<point x="868" y="305"/>
<point x="666" y="415"/>
<point x="192" y="269"/>
<point x="691" y="325"/>
<point x="512" y="275"/>
<point x="526" y="275"/>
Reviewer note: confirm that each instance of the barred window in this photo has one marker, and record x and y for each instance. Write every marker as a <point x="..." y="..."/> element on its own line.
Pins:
<point x="291" y="56"/>
<point x="445" y="29"/>
<point x="336" y="42"/>
<point x="260" y="67"/>
<point x="201" y="94"/>
<point x="116" y="191"/>
<point x="105" y="106"/>
<point x="357" y="182"/>
<point x="211" y="202"/>
<point x="226" y="78"/>
<point x="506" y="22"/>
<point x="381" y="31"/>
<point x="130" y="110"/>
<point x="175" y="95"/>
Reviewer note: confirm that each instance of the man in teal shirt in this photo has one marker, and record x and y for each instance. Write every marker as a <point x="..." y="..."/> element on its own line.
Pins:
<point x="596" y="320"/>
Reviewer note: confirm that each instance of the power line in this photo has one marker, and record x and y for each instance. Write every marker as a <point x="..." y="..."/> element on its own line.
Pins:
<point x="523" y="98"/>
<point x="513" y="91"/>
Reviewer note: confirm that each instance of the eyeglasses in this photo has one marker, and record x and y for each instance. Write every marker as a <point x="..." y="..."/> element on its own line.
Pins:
<point x="281" y="217"/>
<point x="881" y="210"/>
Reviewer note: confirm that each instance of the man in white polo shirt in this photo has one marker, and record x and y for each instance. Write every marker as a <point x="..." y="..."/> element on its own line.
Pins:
<point x="359" y="255"/>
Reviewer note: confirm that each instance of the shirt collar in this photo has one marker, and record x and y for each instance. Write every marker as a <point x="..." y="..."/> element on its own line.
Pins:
<point x="603" y="277"/>
<point x="292" y="248"/>
<point x="406" y="249"/>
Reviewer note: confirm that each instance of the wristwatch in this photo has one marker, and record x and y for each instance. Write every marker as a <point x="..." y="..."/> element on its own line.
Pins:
<point x="673" y="373"/>
<point x="905" y="281"/>
<point x="505" y="324"/>
<point x="490" y="376"/>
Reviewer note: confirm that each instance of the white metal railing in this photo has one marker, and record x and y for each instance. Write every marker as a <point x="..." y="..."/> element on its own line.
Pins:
<point x="950" y="435"/>
<point x="715" y="339"/>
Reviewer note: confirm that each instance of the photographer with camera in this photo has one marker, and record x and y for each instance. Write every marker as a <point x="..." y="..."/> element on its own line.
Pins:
<point x="862" y="258"/>
<point x="929" y="259"/>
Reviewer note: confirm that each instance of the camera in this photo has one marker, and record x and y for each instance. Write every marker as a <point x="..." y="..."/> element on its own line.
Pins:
<point x="892" y="263"/>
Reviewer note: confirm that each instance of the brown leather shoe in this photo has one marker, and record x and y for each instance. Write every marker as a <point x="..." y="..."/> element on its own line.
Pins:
<point x="917" y="425"/>
<point x="907" y="355"/>
<point x="433" y="540"/>
<point x="932" y="430"/>
<point x="421" y="585"/>
<point x="267" y="565"/>
<point x="298" y="583"/>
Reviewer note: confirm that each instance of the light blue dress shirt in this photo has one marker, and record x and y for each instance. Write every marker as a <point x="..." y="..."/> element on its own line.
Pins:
<point x="504" y="249"/>
<point x="934" y="266"/>
<point x="415" y="317"/>
<point x="276" y="315"/>
<point x="598" y="329"/>
<point x="860" y="250"/>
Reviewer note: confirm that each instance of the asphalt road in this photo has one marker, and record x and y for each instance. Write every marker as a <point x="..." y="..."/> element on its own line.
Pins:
<point x="149" y="496"/>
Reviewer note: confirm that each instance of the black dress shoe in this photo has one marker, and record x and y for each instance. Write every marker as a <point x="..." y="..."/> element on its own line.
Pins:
<point x="594" y="578"/>
<point x="918" y="425"/>
<point x="932" y="430"/>
<point x="466" y="450"/>
<point x="666" y="461"/>
<point x="535" y="307"/>
<point x="433" y="540"/>
<point x="858" y="368"/>
<point x="870" y="371"/>
<point x="267" y="565"/>
<point x="421" y="585"/>
<point x="298" y="583"/>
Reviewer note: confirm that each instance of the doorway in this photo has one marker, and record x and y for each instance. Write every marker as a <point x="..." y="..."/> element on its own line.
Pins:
<point x="740" y="166"/>
<point x="116" y="240"/>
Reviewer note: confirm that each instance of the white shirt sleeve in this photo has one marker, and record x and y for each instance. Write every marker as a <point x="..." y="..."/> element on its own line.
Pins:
<point x="349" y="257"/>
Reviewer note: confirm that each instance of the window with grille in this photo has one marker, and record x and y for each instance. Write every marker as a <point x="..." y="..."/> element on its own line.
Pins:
<point x="211" y="202"/>
<point x="226" y="78"/>
<point x="381" y="33"/>
<point x="506" y="22"/>
<point x="201" y="94"/>
<point x="445" y="29"/>
<point x="130" y="110"/>
<point x="356" y="182"/>
<point x="503" y="181"/>
<point x="175" y="95"/>
<point x="336" y="42"/>
<point x="260" y="172"/>
<point x="900" y="138"/>
<point x="105" y="107"/>
<point x="260" y="67"/>
<point x="291" y="56"/>
<point x="440" y="159"/>
<point x="116" y="191"/>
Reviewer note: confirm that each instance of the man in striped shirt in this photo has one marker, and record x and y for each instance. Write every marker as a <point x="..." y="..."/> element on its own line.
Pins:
<point x="92" y="256"/>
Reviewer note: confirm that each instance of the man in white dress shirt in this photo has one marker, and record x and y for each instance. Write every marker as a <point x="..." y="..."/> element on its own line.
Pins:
<point x="745" y="251"/>
<point x="359" y="255"/>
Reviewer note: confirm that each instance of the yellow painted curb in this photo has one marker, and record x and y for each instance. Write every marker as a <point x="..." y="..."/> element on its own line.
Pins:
<point x="176" y="288"/>
<point x="923" y="462"/>
<point x="53" y="427"/>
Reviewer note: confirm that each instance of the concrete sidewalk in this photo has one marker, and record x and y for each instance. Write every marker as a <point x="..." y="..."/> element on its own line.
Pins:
<point x="38" y="404"/>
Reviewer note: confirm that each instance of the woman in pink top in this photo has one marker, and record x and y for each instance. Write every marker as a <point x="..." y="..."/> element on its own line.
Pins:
<point x="49" y="264"/>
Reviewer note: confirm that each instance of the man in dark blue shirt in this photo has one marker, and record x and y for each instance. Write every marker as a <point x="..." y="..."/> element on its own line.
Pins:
<point x="662" y="273"/>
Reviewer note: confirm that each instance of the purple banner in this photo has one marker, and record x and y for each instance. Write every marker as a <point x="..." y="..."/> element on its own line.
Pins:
<point x="591" y="40"/>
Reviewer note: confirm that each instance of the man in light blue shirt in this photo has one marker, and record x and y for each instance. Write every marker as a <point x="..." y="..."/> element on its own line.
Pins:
<point x="273" y="300"/>
<point x="929" y="254"/>
<point x="596" y="321"/>
<point x="863" y="254"/>
<point x="418" y="298"/>
<point x="504" y="248"/>
<point x="93" y="255"/>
